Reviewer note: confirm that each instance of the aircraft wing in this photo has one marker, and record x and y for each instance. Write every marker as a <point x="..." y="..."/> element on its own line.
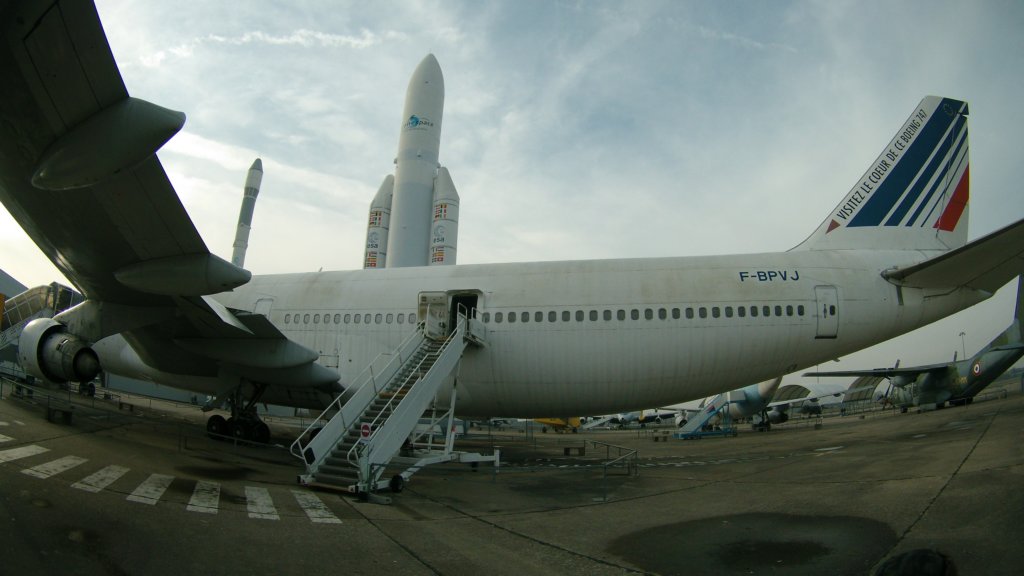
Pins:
<point x="913" y="371"/>
<point x="987" y="264"/>
<point x="79" y="172"/>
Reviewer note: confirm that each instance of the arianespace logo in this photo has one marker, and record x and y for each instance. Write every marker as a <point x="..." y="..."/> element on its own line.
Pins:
<point x="418" y="123"/>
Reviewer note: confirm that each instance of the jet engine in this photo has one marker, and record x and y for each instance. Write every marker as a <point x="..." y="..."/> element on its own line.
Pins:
<point x="48" y="351"/>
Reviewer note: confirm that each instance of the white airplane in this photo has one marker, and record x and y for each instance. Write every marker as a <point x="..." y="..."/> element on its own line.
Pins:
<point x="79" y="172"/>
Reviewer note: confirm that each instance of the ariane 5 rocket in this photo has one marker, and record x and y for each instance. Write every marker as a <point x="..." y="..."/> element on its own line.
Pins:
<point x="414" y="217"/>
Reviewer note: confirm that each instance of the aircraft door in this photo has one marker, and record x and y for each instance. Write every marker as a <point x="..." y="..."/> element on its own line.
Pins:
<point x="432" y="311"/>
<point x="827" y="298"/>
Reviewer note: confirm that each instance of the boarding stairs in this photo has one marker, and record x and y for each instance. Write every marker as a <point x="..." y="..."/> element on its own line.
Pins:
<point x="596" y="422"/>
<point x="393" y="409"/>
<point x="694" y="426"/>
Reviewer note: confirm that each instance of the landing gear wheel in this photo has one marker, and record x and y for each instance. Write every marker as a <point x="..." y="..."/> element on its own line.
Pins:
<point x="241" y="429"/>
<point x="397" y="483"/>
<point x="216" y="426"/>
<point x="261" y="433"/>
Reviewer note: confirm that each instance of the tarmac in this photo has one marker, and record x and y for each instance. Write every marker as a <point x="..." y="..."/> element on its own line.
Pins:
<point x="134" y="487"/>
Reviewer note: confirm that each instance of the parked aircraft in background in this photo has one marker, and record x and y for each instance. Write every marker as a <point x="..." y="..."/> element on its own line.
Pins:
<point x="559" y="424"/>
<point x="79" y="173"/>
<point x="955" y="382"/>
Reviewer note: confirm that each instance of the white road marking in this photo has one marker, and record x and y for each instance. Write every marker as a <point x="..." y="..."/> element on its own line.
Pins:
<point x="205" y="498"/>
<point x="150" y="491"/>
<point x="315" y="509"/>
<point x="5" y="438"/>
<point x="21" y="452"/>
<point x="101" y="479"/>
<point x="260" y="504"/>
<point x="55" y="467"/>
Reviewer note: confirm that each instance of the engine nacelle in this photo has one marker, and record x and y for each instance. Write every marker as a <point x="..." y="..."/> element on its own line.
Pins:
<point x="48" y="351"/>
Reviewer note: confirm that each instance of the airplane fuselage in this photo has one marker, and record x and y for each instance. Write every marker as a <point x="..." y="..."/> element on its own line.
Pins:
<point x="591" y="337"/>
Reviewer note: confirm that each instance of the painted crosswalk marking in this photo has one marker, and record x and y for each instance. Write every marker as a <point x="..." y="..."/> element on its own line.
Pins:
<point x="205" y="497"/>
<point x="55" y="467"/>
<point x="101" y="479"/>
<point x="5" y="438"/>
<point x="314" y="508"/>
<point x="150" y="491"/>
<point x="21" y="452"/>
<point x="259" y="503"/>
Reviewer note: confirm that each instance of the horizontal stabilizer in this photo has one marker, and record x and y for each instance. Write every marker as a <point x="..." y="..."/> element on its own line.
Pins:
<point x="987" y="264"/>
<point x="882" y="372"/>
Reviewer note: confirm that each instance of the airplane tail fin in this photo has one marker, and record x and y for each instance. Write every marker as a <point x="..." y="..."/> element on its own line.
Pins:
<point x="914" y="196"/>
<point x="1012" y="337"/>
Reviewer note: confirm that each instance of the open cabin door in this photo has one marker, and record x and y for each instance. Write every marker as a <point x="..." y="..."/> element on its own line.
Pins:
<point x="439" y="311"/>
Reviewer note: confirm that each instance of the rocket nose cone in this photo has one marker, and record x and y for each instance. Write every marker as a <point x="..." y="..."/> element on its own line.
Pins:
<point x="428" y="72"/>
<point x="257" y="165"/>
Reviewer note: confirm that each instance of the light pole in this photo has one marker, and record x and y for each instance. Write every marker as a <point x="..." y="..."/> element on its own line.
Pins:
<point x="963" y="344"/>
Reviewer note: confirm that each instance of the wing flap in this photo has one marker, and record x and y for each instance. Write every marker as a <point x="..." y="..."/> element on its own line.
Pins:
<point x="986" y="264"/>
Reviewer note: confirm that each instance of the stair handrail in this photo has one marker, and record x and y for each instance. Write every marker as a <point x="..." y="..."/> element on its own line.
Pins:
<point x="364" y="390"/>
<point x="393" y="408"/>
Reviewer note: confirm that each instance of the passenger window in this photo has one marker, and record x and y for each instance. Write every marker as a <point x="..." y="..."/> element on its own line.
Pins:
<point x="487" y="317"/>
<point x="401" y="318"/>
<point x="593" y="315"/>
<point x="378" y="318"/>
<point x="832" y="310"/>
<point x="789" y="310"/>
<point x="358" y="317"/>
<point x="753" y="311"/>
<point x="552" y="316"/>
<point x="287" y="318"/>
<point x="511" y="317"/>
<point x="305" y="318"/>
<point x="566" y="316"/>
<point x="525" y="317"/>
<point x="778" y="310"/>
<point x="538" y="316"/>
<point x="728" y="311"/>
<point x="675" y="313"/>
<point x="703" y="312"/>
<point x="800" y="310"/>
<point x="648" y="314"/>
<point x="412" y="318"/>
<point x="348" y="318"/>
<point x="621" y="314"/>
<point x="498" y="317"/>
<point x="715" y="312"/>
<point x="766" y="311"/>
<point x="366" y="318"/>
<point x="337" y="318"/>
<point x="742" y="311"/>
<point x="634" y="314"/>
<point x="662" y="314"/>
<point x="607" y="315"/>
<point x="389" y="318"/>
<point x="579" y="315"/>
<point x="689" y="313"/>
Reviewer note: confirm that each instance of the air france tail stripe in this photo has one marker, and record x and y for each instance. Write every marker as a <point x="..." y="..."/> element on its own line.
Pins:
<point x="205" y="498"/>
<point x="315" y="508"/>
<point x="259" y="504"/>
<point x="935" y="172"/>
<point x="955" y="208"/>
<point x="940" y="183"/>
<point x="53" y="468"/>
<point x="21" y="452"/>
<point x="150" y="491"/>
<point x="99" y="480"/>
<point x="907" y="168"/>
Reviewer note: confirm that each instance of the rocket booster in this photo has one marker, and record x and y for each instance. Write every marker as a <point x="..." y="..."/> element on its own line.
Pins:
<point x="415" y="195"/>
<point x="376" y="255"/>
<point x="252" y="188"/>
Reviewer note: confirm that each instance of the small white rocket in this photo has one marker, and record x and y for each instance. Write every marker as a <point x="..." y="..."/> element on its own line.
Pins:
<point x="414" y="218"/>
<point x="252" y="188"/>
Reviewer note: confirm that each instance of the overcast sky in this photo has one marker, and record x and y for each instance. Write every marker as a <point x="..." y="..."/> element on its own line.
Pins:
<point x="572" y="130"/>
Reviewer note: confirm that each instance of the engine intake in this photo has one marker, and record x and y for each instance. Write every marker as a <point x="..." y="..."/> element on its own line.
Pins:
<point x="47" y="350"/>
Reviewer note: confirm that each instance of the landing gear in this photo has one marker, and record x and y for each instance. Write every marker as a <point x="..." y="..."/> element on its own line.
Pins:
<point x="244" y="423"/>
